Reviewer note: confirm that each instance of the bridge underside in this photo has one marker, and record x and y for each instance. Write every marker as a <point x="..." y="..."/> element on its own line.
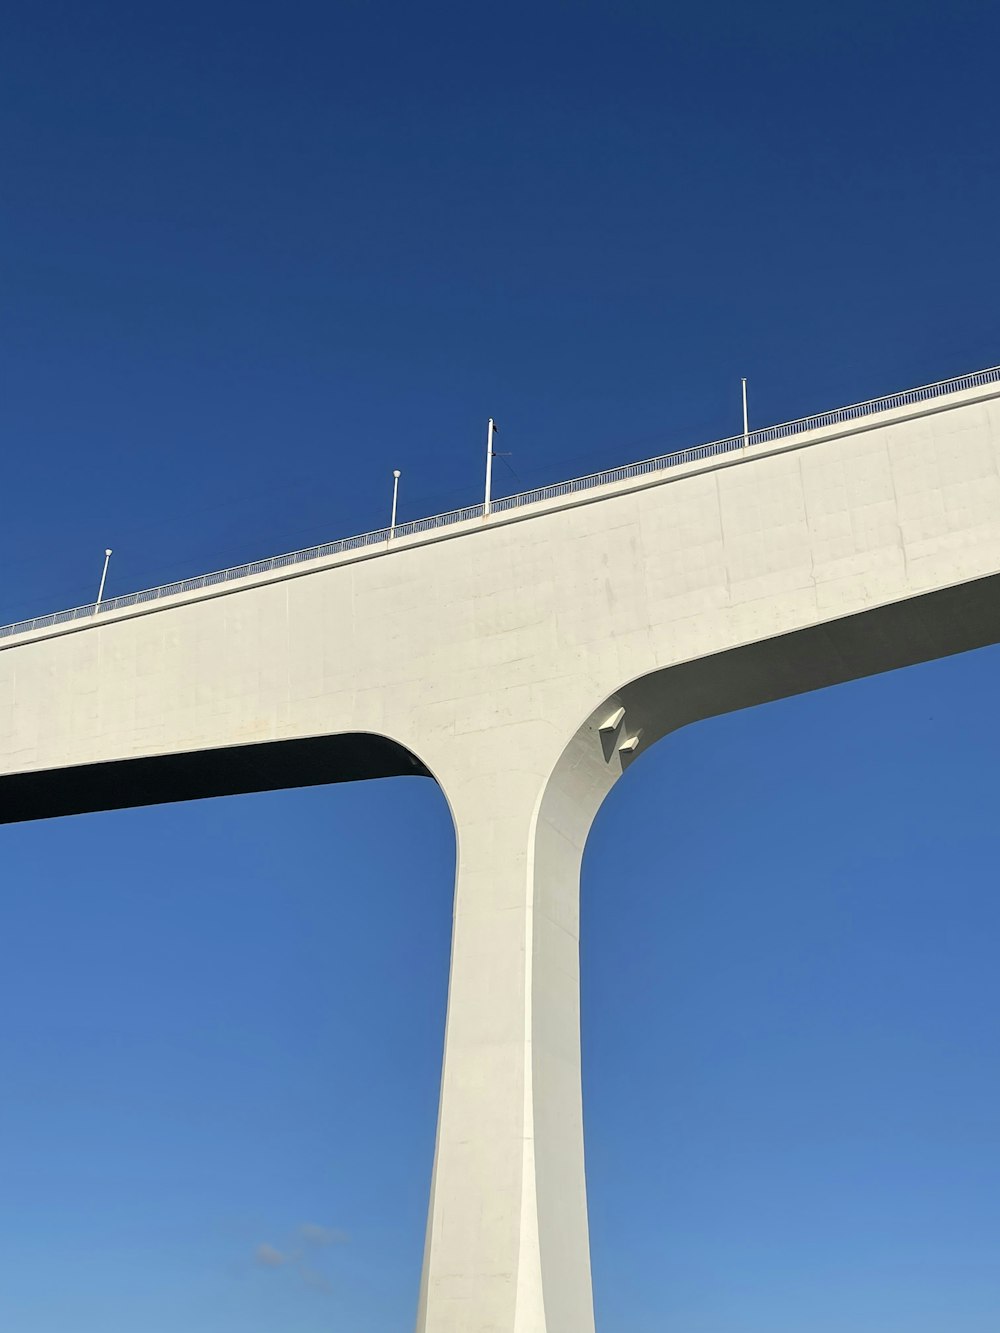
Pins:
<point x="228" y="771"/>
<point x="905" y="633"/>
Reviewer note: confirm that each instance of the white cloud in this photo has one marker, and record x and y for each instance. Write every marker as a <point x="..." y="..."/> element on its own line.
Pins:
<point x="314" y="1234"/>
<point x="268" y="1257"/>
<point x="298" y="1258"/>
<point x="311" y="1278"/>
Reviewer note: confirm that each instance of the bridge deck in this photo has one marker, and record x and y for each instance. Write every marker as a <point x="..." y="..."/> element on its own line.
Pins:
<point x="526" y="504"/>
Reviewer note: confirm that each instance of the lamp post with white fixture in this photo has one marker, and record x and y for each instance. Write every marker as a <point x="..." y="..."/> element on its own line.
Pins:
<point x="104" y="575"/>
<point x="395" y="496"/>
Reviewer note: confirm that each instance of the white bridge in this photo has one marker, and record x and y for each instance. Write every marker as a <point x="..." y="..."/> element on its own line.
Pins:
<point x="522" y="659"/>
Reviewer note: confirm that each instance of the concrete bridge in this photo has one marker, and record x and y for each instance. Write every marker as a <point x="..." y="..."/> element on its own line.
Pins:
<point x="523" y="660"/>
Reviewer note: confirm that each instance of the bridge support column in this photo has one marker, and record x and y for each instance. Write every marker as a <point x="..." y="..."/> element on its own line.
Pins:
<point x="507" y="1247"/>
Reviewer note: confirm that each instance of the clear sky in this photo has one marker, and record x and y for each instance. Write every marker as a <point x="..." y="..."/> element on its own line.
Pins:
<point x="255" y="257"/>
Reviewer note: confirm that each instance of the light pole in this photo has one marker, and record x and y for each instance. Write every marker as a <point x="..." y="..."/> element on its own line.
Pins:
<point x="490" y="429"/>
<point x="104" y="575"/>
<point x="395" y="494"/>
<point x="746" y="427"/>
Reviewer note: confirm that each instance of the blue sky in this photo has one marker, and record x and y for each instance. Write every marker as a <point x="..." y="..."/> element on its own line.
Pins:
<point x="255" y="258"/>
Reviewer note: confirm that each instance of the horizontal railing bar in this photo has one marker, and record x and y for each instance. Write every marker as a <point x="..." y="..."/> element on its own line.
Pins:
<point x="662" y="462"/>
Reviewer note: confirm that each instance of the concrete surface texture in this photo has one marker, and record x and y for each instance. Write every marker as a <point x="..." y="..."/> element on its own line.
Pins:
<point x="523" y="661"/>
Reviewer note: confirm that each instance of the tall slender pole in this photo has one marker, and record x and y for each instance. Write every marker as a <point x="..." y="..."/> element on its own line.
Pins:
<point x="489" y="466"/>
<point x="395" y="494"/>
<point x="104" y="575"/>
<point x="746" y="425"/>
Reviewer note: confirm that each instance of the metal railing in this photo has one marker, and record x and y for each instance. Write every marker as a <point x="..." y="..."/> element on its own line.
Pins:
<point x="381" y="537"/>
